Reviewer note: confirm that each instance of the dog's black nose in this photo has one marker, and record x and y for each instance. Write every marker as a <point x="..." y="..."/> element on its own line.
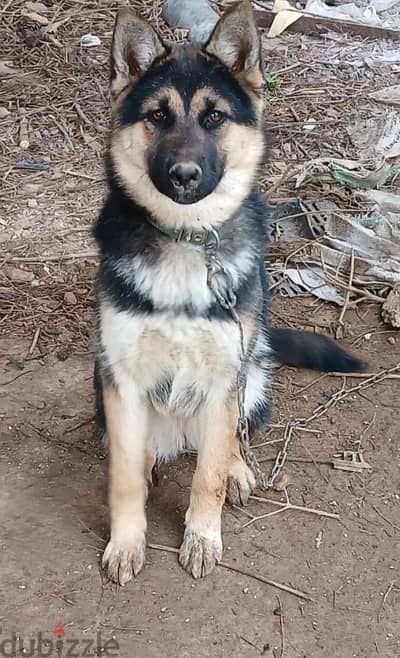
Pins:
<point x="186" y="175"/>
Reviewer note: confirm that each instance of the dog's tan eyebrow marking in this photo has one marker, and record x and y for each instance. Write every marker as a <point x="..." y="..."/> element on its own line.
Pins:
<point x="168" y="94"/>
<point x="203" y="97"/>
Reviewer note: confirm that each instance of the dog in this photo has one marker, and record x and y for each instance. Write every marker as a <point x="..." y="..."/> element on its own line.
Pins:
<point x="182" y="292"/>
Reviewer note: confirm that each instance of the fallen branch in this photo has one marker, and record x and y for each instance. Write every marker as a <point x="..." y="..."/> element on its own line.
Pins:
<point x="318" y="25"/>
<point x="362" y="375"/>
<point x="284" y="507"/>
<point x="248" y="574"/>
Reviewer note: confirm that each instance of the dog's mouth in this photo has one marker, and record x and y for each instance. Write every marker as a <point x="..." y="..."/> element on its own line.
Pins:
<point x="187" y="197"/>
<point x="184" y="195"/>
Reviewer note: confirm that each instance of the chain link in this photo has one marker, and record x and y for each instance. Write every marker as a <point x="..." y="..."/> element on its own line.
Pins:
<point x="227" y="300"/>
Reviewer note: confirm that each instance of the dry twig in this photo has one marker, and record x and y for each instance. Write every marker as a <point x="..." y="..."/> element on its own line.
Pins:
<point x="230" y="567"/>
<point x="281" y="626"/>
<point x="390" y="588"/>
<point x="284" y="507"/>
<point x="347" y="299"/>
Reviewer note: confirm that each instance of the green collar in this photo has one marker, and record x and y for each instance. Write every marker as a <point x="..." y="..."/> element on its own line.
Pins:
<point x="192" y="236"/>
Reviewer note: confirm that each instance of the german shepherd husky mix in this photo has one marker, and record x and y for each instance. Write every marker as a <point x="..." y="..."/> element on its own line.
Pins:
<point x="185" y="146"/>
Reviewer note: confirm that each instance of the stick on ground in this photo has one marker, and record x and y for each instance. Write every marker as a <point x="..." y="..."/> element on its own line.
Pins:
<point x="248" y="574"/>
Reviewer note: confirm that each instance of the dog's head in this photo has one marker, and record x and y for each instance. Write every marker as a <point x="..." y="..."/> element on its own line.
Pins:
<point x="186" y="138"/>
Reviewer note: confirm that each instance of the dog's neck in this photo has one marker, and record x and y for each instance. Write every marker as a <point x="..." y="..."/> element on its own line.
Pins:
<point x="126" y="228"/>
<point x="197" y="237"/>
<point x="186" y="225"/>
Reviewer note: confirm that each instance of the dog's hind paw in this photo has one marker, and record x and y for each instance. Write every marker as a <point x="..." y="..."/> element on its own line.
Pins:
<point x="198" y="554"/>
<point x="123" y="562"/>
<point x="241" y="483"/>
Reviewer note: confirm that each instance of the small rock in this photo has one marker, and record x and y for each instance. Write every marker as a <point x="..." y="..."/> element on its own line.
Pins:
<point x="391" y="340"/>
<point x="90" y="40"/>
<point x="70" y="299"/>
<point x="367" y="336"/>
<point x="20" y="276"/>
<point x="3" y="112"/>
<point x="31" y="188"/>
<point x="32" y="203"/>
<point x="391" y="308"/>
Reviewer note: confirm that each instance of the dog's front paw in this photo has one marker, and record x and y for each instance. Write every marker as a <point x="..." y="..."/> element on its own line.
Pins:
<point x="124" y="560"/>
<point x="241" y="483"/>
<point x="199" y="554"/>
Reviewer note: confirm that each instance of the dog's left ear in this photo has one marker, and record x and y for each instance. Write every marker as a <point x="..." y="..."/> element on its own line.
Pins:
<point x="235" y="41"/>
<point x="135" y="46"/>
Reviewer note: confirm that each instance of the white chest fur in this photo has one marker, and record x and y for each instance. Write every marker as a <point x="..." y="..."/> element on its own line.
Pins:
<point x="179" y="277"/>
<point x="191" y="351"/>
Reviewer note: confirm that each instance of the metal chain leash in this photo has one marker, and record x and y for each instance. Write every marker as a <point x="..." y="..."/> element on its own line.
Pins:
<point x="227" y="300"/>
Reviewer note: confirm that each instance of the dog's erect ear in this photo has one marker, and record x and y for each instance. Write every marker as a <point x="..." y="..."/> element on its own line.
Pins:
<point x="135" y="46"/>
<point x="235" y="42"/>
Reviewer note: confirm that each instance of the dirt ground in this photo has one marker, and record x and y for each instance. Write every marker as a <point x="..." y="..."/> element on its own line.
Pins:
<point x="54" y="523"/>
<point x="53" y="510"/>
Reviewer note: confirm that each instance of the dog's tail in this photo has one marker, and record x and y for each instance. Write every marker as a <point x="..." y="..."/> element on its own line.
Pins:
<point x="304" y="349"/>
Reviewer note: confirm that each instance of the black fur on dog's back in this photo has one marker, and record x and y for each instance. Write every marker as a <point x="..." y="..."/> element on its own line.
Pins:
<point x="304" y="349"/>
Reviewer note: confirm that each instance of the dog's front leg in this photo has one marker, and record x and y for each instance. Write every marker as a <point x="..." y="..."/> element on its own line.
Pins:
<point x="126" y="418"/>
<point x="202" y="543"/>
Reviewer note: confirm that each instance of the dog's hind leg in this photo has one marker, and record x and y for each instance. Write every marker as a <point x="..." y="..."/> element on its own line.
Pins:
<point x="202" y="543"/>
<point x="126" y="428"/>
<point x="241" y="481"/>
<point x="100" y="418"/>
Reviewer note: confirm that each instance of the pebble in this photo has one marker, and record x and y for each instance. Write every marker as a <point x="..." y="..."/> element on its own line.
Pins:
<point x="32" y="203"/>
<point x="20" y="276"/>
<point x="70" y="299"/>
<point x="31" y="188"/>
<point x="391" y="340"/>
<point x="3" y="112"/>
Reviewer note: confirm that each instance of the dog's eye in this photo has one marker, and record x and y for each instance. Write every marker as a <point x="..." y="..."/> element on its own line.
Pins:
<point x="214" y="118"/>
<point x="158" y="116"/>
